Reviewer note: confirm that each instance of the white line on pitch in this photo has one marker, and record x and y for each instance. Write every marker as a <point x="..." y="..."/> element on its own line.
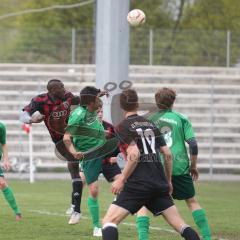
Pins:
<point x="44" y="212"/>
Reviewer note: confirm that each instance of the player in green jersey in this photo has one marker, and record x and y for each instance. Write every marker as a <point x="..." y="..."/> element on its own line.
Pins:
<point x="85" y="132"/>
<point x="6" y="190"/>
<point x="177" y="129"/>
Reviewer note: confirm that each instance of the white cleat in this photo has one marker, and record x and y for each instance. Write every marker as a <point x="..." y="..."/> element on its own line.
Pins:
<point x="70" y="210"/>
<point x="74" y="219"/>
<point x="97" y="232"/>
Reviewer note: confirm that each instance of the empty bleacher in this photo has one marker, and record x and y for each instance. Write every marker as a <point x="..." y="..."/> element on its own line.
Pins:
<point x="210" y="97"/>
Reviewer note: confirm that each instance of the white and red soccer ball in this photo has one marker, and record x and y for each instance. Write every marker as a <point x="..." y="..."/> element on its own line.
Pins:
<point x="136" y="17"/>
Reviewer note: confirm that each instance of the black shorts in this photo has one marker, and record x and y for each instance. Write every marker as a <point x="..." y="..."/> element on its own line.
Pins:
<point x="155" y="202"/>
<point x="109" y="171"/>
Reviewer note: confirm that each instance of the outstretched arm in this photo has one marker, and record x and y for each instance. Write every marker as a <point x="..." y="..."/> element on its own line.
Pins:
<point x="69" y="145"/>
<point x="132" y="161"/>
<point x="167" y="165"/>
<point x="35" y="118"/>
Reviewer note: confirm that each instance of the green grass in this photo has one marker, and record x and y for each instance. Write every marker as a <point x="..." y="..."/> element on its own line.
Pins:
<point x="44" y="203"/>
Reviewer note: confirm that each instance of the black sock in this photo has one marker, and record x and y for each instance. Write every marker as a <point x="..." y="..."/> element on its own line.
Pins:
<point x="110" y="231"/>
<point x="189" y="234"/>
<point x="72" y="198"/>
<point x="77" y="194"/>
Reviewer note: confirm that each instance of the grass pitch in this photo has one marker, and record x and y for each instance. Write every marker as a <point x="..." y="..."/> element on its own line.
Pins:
<point x="44" y="203"/>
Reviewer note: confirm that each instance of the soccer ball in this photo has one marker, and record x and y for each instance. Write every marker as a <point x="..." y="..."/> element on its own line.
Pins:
<point x="136" y="17"/>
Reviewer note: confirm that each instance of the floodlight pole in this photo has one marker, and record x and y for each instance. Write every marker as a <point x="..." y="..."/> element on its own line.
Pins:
<point x="112" y="48"/>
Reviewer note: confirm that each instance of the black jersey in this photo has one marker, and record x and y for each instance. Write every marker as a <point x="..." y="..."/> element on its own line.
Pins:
<point x="149" y="173"/>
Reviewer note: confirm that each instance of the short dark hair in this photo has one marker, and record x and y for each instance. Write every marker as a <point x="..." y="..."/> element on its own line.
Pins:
<point x="88" y="95"/>
<point x="50" y="83"/>
<point x="129" y="100"/>
<point x="165" y="98"/>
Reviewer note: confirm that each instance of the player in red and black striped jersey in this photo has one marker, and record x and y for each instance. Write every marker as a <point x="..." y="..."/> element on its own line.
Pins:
<point x="143" y="181"/>
<point x="54" y="108"/>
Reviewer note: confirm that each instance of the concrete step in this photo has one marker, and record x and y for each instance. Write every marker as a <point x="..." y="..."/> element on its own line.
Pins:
<point x="196" y="125"/>
<point x="36" y="87"/>
<point x="140" y="87"/>
<point x="14" y="98"/>
<point x="47" y="67"/>
<point x="132" y="68"/>
<point x="203" y="158"/>
<point x="183" y="69"/>
<point x="171" y="78"/>
<point x="188" y="88"/>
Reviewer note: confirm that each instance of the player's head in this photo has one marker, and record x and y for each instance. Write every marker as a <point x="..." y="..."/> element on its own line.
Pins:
<point x="56" y="88"/>
<point x="129" y="100"/>
<point x="89" y="96"/>
<point x="165" y="98"/>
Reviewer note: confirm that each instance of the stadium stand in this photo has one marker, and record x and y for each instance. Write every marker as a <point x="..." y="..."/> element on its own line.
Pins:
<point x="210" y="97"/>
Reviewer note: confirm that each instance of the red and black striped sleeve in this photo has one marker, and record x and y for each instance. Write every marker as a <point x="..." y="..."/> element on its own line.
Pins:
<point x="36" y="104"/>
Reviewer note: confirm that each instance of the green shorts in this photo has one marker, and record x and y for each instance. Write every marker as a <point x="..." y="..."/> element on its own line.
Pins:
<point x="183" y="187"/>
<point x="1" y="172"/>
<point x="91" y="169"/>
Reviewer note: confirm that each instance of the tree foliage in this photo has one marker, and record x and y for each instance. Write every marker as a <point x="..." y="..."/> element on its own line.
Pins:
<point x="186" y="32"/>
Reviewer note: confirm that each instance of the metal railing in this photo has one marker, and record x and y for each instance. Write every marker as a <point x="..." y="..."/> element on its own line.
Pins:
<point x="147" y="47"/>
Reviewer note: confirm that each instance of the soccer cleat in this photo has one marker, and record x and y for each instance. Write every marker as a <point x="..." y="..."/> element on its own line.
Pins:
<point x="70" y="210"/>
<point x="18" y="217"/>
<point x="97" y="232"/>
<point x="74" y="219"/>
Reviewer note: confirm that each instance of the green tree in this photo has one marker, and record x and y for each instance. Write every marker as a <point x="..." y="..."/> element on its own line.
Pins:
<point x="47" y="36"/>
<point x="213" y="18"/>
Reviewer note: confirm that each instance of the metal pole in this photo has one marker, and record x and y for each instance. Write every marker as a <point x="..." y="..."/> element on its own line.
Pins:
<point x="73" y="46"/>
<point x="150" y="46"/>
<point x="31" y="167"/>
<point x="211" y="130"/>
<point x="228" y="53"/>
<point x="112" y="52"/>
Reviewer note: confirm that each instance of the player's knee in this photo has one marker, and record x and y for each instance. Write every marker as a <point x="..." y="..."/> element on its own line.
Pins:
<point x="193" y="203"/>
<point x="112" y="217"/>
<point x="142" y="212"/>
<point x="93" y="190"/>
<point x="74" y="170"/>
<point x="81" y="174"/>
<point x="109" y="219"/>
<point x="3" y="183"/>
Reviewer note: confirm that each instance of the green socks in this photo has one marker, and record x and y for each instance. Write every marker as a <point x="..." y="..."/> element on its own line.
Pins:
<point x="201" y="221"/>
<point x="94" y="211"/>
<point x="8" y="194"/>
<point x="142" y="227"/>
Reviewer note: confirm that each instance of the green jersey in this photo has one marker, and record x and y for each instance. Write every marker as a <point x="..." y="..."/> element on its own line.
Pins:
<point x="86" y="130"/>
<point x="2" y="137"/>
<point x="176" y="129"/>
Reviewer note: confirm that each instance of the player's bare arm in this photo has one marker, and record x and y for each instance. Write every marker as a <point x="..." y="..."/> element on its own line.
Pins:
<point x="193" y="149"/>
<point x="193" y="168"/>
<point x="167" y="165"/>
<point x="6" y="163"/>
<point x="69" y="145"/>
<point x="132" y="161"/>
